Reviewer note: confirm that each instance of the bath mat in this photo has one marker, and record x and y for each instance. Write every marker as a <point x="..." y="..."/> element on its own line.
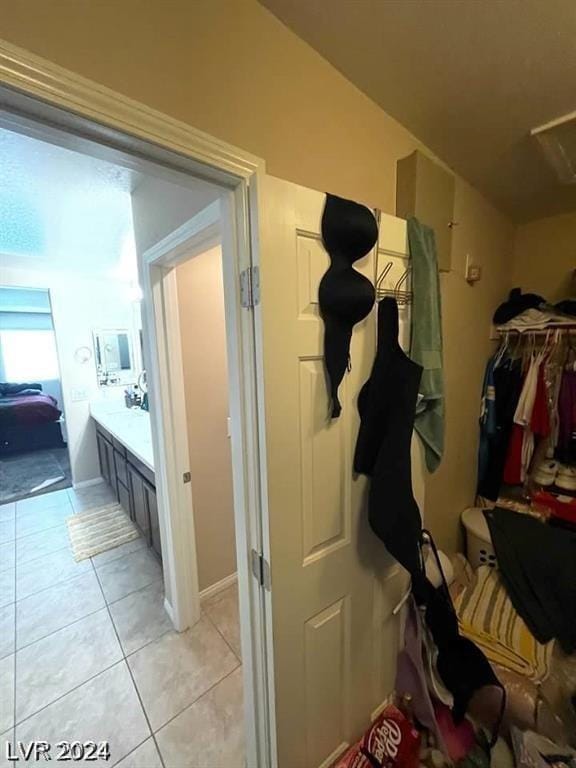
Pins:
<point x="30" y="474"/>
<point x="98" y="530"/>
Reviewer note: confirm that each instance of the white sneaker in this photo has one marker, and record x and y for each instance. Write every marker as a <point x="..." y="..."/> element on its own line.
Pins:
<point x="545" y="473"/>
<point x="566" y="478"/>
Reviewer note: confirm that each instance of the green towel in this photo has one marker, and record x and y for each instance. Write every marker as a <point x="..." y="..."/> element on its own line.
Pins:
<point x="426" y="340"/>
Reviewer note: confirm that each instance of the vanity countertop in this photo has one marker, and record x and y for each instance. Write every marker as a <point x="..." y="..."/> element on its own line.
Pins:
<point x="130" y="426"/>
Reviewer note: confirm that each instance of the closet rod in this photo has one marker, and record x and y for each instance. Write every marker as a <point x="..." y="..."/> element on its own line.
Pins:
<point x="539" y="331"/>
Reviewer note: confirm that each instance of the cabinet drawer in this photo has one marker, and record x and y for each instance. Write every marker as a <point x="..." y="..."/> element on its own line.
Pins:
<point x="124" y="499"/>
<point x="121" y="468"/>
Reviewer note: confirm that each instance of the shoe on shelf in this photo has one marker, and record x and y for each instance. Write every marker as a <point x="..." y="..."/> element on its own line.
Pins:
<point x="545" y="473"/>
<point x="566" y="478"/>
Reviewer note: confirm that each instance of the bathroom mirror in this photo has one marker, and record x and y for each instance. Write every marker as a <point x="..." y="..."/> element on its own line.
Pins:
<point x="114" y="357"/>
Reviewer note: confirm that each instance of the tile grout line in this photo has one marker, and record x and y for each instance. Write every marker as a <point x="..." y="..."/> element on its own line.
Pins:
<point x="62" y="696"/>
<point x="125" y="659"/>
<point x="232" y="651"/>
<point x="70" y="578"/>
<point x="198" y="698"/>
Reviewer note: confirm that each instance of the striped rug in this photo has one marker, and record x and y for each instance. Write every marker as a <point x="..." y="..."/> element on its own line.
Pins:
<point x="98" y="530"/>
<point x="486" y="616"/>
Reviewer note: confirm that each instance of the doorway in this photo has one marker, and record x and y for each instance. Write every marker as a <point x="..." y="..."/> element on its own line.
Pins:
<point x="34" y="457"/>
<point x="117" y="613"/>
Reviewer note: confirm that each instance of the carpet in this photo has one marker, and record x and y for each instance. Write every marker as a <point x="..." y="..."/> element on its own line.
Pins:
<point x="98" y="530"/>
<point x="34" y="473"/>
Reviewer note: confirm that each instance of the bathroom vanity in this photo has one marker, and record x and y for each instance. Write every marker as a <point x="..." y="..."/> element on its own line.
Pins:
<point x="126" y="459"/>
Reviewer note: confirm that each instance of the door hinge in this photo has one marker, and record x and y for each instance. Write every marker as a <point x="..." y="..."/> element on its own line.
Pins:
<point x="250" y="287"/>
<point x="261" y="569"/>
<point x="186" y="477"/>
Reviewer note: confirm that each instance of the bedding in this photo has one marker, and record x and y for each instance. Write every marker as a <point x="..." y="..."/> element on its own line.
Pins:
<point x="28" y="410"/>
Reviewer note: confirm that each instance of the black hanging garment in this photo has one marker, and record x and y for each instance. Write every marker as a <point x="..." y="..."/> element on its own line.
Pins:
<point x="349" y="231"/>
<point x="387" y="405"/>
<point x="538" y="567"/>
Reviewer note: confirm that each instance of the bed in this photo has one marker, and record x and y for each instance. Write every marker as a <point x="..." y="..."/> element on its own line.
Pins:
<point x="30" y="420"/>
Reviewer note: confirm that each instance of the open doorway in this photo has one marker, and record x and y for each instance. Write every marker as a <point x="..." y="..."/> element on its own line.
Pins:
<point x="136" y="607"/>
<point x="33" y="446"/>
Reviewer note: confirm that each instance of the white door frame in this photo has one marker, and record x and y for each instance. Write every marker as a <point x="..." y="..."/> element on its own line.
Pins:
<point x="37" y="94"/>
<point x="162" y="347"/>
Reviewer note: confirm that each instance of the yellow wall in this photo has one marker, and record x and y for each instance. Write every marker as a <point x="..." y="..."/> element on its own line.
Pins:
<point x="203" y="329"/>
<point x="232" y="69"/>
<point x="545" y="257"/>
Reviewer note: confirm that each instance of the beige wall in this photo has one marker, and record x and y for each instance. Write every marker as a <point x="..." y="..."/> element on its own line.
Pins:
<point x="232" y="69"/>
<point x="545" y="257"/>
<point x="203" y="333"/>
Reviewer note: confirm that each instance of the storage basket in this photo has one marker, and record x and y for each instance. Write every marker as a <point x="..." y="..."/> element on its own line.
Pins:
<point x="479" y="549"/>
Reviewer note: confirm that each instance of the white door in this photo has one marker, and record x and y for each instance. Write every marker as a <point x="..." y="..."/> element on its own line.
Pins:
<point x="333" y="585"/>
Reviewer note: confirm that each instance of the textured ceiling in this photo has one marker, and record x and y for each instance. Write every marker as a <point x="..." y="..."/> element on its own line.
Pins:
<point x="469" y="78"/>
<point x="62" y="209"/>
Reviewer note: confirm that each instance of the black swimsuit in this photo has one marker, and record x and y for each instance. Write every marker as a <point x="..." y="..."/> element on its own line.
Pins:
<point x="349" y="231"/>
<point x="387" y="404"/>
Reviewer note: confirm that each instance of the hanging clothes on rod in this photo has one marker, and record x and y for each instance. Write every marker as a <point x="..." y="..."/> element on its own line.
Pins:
<point x="527" y="409"/>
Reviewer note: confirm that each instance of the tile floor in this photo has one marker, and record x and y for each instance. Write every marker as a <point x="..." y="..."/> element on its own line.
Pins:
<point x="87" y="652"/>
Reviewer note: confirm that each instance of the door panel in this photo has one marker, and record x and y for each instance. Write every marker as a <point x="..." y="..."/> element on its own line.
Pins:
<point x="333" y="584"/>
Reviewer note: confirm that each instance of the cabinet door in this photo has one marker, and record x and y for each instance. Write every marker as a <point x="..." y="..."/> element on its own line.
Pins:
<point x="150" y="494"/>
<point x="111" y="468"/>
<point x="139" y="506"/>
<point x="103" y="457"/>
<point x="124" y="499"/>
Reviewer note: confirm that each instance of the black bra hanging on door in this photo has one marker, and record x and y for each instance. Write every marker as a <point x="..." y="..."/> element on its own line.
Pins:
<point x="349" y="232"/>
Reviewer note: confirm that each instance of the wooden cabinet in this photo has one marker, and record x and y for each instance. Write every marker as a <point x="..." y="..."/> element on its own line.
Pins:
<point x="152" y="506"/>
<point x="138" y="500"/>
<point x="133" y="484"/>
<point x="106" y="459"/>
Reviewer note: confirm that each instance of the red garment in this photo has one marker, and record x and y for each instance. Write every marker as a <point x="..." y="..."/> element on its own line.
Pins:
<point x="513" y="468"/>
<point x="540" y="421"/>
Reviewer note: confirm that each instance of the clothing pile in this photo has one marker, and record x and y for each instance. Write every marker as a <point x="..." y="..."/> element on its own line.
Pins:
<point x="528" y="414"/>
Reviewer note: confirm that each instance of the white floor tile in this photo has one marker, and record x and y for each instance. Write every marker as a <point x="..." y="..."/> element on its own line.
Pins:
<point x="93" y="496"/>
<point x="54" y="608"/>
<point x="114" y="554"/>
<point x="225" y="615"/>
<point x="103" y="709"/>
<point x="210" y="732"/>
<point x="7" y="531"/>
<point x="7" y="630"/>
<point x="140" y="617"/>
<point x="34" y="521"/>
<point x="127" y="574"/>
<point x="176" y="669"/>
<point x="7" y="587"/>
<point x="42" y="543"/>
<point x="43" y="502"/>
<point x="144" y="756"/>
<point x="54" y="665"/>
<point x="7" y="697"/>
<point x="47" y="571"/>
<point x="8" y="511"/>
<point x="7" y="556"/>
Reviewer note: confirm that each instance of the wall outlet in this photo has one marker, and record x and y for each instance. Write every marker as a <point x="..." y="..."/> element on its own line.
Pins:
<point x="473" y="271"/>
<point x="78" y="395"/>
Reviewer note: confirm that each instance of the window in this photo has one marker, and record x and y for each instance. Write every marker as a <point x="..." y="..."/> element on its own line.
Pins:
<point x="28" y="356"/>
